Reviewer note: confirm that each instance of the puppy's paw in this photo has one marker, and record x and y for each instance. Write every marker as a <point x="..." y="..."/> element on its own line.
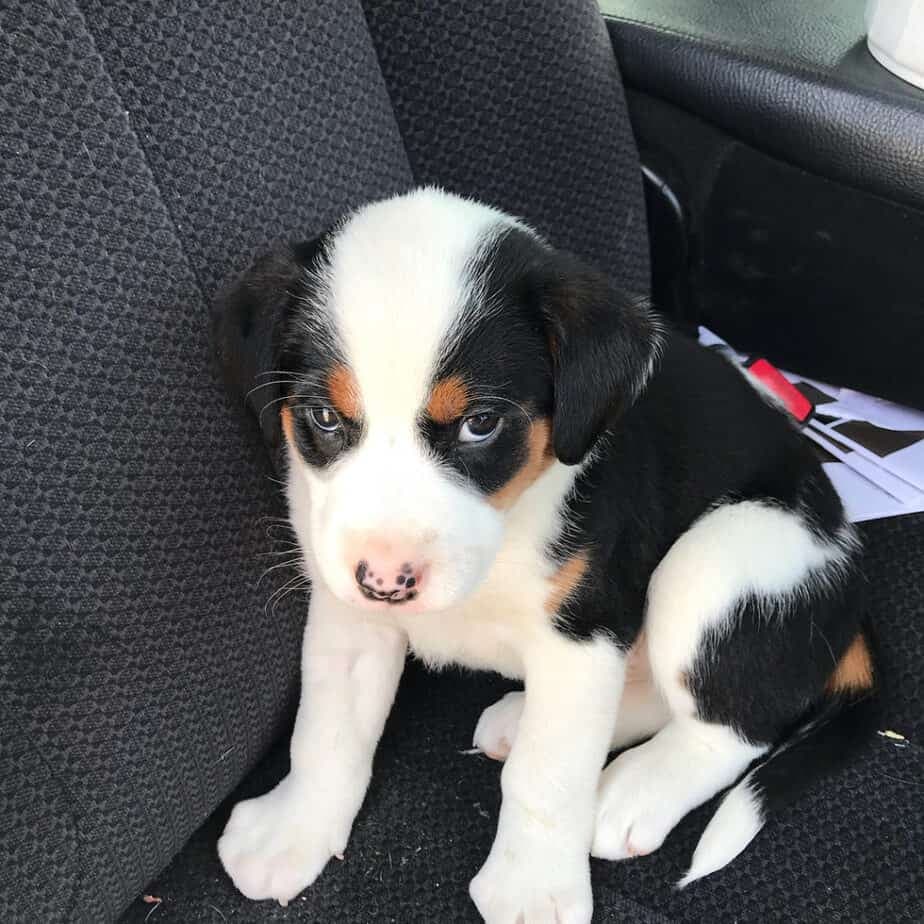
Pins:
<point x="277" y="845"/>
<point x="497" y="728"/>
<point x="637" y="805"/>
<point x="533" y="886"/>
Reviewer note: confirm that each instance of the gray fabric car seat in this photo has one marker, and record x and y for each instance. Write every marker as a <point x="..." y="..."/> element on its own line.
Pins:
<point x="148" y="151"/>
<point x="145" y="668"/>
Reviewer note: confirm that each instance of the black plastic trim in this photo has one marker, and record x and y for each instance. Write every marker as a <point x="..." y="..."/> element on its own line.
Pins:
<point x="793" y="79"/>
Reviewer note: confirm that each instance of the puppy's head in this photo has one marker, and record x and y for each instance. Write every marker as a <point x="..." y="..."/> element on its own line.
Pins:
<point x="427" y="362"/>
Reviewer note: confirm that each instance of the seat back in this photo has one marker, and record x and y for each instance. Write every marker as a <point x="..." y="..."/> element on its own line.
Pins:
<point x="148" y="151"/>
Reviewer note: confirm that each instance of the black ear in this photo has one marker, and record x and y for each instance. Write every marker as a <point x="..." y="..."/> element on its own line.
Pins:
<point x="247" y="319"/>
<point x="604" y="346"/>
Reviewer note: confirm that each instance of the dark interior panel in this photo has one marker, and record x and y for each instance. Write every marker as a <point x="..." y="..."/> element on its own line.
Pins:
<point x="818" y="276"/>
<point x="791" y="78"/>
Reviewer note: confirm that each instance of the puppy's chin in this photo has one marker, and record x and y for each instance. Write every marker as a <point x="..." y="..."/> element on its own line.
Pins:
<point x="387" y="610"/>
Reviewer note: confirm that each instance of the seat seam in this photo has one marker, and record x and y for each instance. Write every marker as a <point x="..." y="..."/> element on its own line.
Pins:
<point x="196" y="278"/>
<point x="412" y="167"/>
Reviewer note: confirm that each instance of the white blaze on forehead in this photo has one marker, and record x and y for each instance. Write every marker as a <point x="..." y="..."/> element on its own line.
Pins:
<point x="398" y="281"/>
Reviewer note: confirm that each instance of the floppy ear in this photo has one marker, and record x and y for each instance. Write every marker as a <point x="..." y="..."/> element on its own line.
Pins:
<point x="604" y="346"/>
<point x="247" y="317"/>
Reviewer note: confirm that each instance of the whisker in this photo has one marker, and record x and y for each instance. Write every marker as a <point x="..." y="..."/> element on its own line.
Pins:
<point x="276" y="521"/>
<point x="286" y="398"/>
<point x="289" y="534"/>
<point x="311" y="407"/>
<point x="300" y="580"/>
<point x="306" y="583"/>
<point x="480" y="396"/>
<point x="304" y="586"/>
<point x="289" y="551"/>
<point x="286" y="526"/>
<point x="295" y="580"/>
<point x="291" y="563"/>
<point x="282" y="524"/>
<point x="267" y="385"/>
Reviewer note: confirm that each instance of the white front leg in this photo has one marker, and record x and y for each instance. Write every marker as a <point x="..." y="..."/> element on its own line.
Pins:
<point x="278" y="844"/>
<point x="538" y="869"/>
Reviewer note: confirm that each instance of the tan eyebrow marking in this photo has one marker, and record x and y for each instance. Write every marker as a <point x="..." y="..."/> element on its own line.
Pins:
<point x="344" y="392"/>
<point x="285" y="415"/>
<point x="448" y="400"/>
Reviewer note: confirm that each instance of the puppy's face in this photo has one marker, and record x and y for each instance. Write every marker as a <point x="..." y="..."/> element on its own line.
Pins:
<point x="431" y="354"/>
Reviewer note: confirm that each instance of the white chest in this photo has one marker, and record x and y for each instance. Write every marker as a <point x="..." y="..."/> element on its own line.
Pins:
<point x="490" y="629"/>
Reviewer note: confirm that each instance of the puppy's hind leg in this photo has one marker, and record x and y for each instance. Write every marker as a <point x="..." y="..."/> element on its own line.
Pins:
<point x="725" y="619"/>
<point x="648" y="789"/>
<point x="497" y="727"/>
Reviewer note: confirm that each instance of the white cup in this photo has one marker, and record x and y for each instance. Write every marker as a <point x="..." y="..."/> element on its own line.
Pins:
<point x="895" y="36"/>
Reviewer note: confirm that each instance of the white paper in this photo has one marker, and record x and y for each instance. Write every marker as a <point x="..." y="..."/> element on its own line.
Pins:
<point x="872" y="482"/>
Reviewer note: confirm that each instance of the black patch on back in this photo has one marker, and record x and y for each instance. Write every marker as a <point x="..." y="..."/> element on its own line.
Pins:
<point x="699" y="435"/>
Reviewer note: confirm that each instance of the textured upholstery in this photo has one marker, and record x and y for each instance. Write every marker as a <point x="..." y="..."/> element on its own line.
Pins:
<point x="520" y="104"/>
<point x="848" y="851"/>
<point x="148" y="150"/>
<point x="132" y="509"/>
<point x="142" y="671"/>
<point x="258" y="120"/>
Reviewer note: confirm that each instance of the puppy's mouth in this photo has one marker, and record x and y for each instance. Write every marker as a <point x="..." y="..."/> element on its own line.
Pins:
<point x="392" y="598"/>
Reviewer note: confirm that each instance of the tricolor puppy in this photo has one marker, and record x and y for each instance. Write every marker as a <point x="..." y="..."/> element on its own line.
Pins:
<point x="496" y="459"/>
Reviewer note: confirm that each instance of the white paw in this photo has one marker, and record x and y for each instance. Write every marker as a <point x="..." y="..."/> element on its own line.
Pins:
<point x="278" y="844"/>
<point x="637" y="804"/>
<point x="497" y="728"/>
<point x="645" y="792"/>
<point x="529" y="886"/>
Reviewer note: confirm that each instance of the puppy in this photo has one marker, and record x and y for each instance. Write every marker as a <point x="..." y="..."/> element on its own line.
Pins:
<point x="495" y="458"/>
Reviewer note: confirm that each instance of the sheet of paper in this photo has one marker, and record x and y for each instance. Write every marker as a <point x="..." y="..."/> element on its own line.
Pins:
<point x="862" y="500"/>
<point x="871" y="449"/>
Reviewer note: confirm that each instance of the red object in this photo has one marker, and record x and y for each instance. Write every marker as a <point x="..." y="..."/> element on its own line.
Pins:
<point x="794" y="401"/>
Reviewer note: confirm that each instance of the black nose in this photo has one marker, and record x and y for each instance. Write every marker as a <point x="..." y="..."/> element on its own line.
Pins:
<point x="386" y="585"/>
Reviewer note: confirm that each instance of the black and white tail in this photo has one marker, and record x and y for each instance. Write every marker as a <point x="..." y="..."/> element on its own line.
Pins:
<point x="823" y="742"/>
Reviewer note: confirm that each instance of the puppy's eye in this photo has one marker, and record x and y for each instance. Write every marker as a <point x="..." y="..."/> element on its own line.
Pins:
<point x="325" y="419"/>
<point x="478" y="427"/>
